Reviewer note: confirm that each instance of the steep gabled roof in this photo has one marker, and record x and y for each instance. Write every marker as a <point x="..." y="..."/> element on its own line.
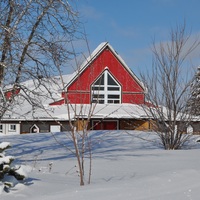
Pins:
<point x="94" y="55"/>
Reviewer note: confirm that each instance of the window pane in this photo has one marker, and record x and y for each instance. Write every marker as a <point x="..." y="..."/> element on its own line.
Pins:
<point x="111" y="81"/>
<point x="97" y="88"/>
<point x="96" y="96"/>
<point x="100" y="80"/>
<point x="116" y="101"/>
<point x="113" y="96"/>
<point x="113" y="88"/>
<point x="13" y="127"/>
<point x="101" y="101"/>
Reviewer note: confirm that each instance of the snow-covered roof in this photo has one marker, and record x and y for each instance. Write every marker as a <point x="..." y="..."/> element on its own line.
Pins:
<point x="50" y="91"/>
<point x="60" y="112"/>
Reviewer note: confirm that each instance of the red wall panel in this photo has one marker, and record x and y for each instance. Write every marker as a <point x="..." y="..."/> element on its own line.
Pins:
<point x="78" y="98"/>
<point x="133" y="98"/>
<point x="78" y="91"/>
<point x="12" y="92"/>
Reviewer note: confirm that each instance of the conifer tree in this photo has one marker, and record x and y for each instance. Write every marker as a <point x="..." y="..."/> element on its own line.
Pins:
<point x="194" y="101"/>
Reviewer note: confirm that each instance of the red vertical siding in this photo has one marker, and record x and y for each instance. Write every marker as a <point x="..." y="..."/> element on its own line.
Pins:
<point x="79" y="90"/>
<point x="9" y="94"/>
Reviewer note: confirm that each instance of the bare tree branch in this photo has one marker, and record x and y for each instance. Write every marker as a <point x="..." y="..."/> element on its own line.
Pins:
<point x="168" y="88"/>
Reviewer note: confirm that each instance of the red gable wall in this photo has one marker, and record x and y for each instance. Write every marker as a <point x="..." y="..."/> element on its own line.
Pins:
<point x="79" y="90"/>
<point x="10" y="93"/>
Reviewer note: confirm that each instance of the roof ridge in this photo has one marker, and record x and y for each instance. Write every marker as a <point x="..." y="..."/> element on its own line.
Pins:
<point x="94" y="54"/>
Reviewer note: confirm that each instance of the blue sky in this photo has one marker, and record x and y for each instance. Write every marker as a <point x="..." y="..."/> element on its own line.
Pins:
<point x="130" y="25"/>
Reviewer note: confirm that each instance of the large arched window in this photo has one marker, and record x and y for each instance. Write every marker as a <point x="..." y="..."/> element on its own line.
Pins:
<point x="106" y="90"/>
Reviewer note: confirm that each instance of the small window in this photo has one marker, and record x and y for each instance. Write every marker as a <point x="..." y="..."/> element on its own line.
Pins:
<point x="111" y="81"/>
<point x="113" y="88"/>
<point x="114" y="101"/>
<point x="1" y="127"/>
<point x="101" y="101"/>
<point x="34" y="129"/>
<point x="98" y="96"/>
<point x="12" y="127"/>
<point x="100" y="81"/>
<point x="113" y="96"/>
<point x="97" y="88"/>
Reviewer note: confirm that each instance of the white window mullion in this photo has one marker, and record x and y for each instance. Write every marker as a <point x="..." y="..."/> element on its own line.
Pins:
<point x="106" y="86"/>
<point x="106" y="91"/>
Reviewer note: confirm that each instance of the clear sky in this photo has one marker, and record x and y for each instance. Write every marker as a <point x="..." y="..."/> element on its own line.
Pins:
<point x="130" y="25"/>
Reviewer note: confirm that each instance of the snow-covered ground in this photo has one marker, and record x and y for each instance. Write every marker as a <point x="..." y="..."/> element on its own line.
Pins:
<point x="123" y="167"/>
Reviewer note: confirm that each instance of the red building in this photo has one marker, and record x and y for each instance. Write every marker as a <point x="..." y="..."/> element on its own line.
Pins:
<point x="104" y="78"/>
<point x="103" y="82"/>
<point x="103" y="94"/>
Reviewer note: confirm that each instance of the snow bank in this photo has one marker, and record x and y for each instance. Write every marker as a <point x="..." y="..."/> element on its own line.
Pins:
<point x="4" y="145"/>
<point x="125" y="165"/>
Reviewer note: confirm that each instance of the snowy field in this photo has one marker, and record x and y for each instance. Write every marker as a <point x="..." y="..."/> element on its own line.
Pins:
<point x="123" y="167"/>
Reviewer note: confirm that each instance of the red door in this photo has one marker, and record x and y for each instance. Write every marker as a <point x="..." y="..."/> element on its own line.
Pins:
<point x="110" y="125"/>
<point x="97" y="125"/>
<point x="105" y="125"/>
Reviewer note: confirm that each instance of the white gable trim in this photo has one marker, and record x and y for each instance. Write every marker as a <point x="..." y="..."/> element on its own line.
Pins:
<point x="92" y="57"/>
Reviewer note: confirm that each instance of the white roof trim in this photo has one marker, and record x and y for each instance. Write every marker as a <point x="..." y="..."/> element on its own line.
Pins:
<point x="94" y="54"/>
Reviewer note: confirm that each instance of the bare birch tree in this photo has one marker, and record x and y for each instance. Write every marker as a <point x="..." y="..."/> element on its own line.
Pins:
<point x="79" y="116"/>
<point x="35" y="44"/>
<point x="168" y="86"/>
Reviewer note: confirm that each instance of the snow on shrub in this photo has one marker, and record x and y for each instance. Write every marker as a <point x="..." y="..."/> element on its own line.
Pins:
<point x="9" y="175"/>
